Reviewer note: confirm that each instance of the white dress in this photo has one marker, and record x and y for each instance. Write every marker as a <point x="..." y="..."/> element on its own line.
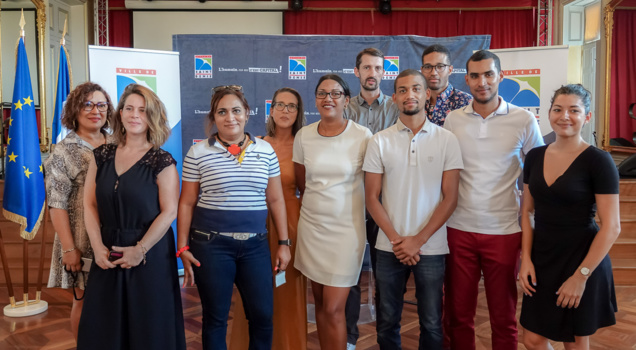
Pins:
<point x="331" y="229"/>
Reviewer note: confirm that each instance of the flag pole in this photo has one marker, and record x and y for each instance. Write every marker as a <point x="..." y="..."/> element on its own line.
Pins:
<point x="7" y="273"/>
<point x="38" y="286"/>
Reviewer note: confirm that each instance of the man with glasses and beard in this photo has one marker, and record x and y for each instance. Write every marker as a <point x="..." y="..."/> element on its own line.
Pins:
<point x="376" y="111"/>
<point x="437" y="68"/>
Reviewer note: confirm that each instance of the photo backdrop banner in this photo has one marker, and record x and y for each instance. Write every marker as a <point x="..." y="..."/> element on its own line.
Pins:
<point x="264" y="63"/>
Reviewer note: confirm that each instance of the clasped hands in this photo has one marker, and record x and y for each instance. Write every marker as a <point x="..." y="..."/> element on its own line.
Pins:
<point x="407" y="249"/>
<point x="131" y="257"/>
<point x="569" y="294"/>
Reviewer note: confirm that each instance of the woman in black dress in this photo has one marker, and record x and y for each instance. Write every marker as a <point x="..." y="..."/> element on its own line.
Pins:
<point x="131" y="193"/>
<point x="566" y="274"/>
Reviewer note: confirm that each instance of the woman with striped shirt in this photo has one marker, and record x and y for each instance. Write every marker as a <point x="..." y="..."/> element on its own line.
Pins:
<point x="223" y="233"/>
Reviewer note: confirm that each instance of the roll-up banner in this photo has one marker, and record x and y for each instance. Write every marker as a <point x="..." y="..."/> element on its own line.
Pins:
<point x="531" y="75"/>
<point x="264" y="63"/>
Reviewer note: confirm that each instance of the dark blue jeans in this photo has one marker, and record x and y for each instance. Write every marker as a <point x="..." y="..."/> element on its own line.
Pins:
<point x="429" y="279"/>
<point x="224" y="262"/>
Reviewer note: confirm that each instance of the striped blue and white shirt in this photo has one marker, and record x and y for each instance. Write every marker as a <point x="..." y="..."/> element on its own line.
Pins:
<point x="232" y="193"/>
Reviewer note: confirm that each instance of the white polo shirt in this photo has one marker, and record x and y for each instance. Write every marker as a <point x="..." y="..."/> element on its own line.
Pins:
<point x="493" y="150"/>
<point x="412" y="182"/>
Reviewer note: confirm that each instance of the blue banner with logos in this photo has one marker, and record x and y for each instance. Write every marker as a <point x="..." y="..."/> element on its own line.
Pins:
<point x="264" y="63"/>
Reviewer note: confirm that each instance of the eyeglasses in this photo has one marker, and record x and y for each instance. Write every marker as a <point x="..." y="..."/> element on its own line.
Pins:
<point x="238" y="88"/>
<point x="101" y="106"/>
<point x="439" y="68"/>
<point x="334" y="94"/>
<point x="280" y="106"/>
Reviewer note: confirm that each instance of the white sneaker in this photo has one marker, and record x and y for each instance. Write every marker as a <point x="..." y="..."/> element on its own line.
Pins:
<point x="351" y="346"/>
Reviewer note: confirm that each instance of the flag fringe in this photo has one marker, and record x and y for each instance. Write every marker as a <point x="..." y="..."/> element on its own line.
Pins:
<point x="22" y="221"/>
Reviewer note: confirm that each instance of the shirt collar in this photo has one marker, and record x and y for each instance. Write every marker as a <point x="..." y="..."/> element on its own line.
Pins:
<point x="425" y="128"/>
<point x="503" y="108"/>
<point x="380" y="100"/>
<point x="73" y="137"/>
<point x="446" y="93"/>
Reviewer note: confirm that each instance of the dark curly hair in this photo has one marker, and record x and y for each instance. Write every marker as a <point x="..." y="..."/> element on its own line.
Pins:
<point x="75" y="103"/>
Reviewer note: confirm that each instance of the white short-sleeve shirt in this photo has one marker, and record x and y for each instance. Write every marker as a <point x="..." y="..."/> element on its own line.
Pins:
<point x="493" y="150"/>
<point x="412" y="168"/>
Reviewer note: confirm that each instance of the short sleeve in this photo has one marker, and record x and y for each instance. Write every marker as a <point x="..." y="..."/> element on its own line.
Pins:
<point x="58" y="183"/>
<point x="298" y="155"/>
<point x="160" y="160"/>
<point x="274" y="166"/>
<point x="453" y="154"/>
<point x="191" y="171"/>
<point x="104" y="153"/>
<point x="373" y="157"/>
<point x="604" y="174"/>
<point x="533" y="137"/>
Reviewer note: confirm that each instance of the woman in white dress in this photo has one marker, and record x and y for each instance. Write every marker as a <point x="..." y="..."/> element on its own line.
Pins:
<point x="328" y="157"/>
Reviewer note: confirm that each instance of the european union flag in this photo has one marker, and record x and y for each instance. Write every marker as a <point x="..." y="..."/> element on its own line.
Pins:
<point x="63" y="89"/>
<point x="24" y="191"/>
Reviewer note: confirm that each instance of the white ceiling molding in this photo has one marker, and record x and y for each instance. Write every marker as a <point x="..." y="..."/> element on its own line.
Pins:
<point x="207" y="5"/>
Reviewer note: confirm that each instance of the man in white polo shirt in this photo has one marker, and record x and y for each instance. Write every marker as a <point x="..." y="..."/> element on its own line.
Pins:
<point x="415" y="164"/>
<point x="483" y="232"/>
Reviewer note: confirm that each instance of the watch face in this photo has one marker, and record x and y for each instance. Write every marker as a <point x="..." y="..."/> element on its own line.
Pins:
<point x="585" y="271"/>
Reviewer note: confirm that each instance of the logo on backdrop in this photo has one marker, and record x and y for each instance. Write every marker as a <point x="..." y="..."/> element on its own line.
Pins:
<point x="127" y="76"/>
<point x="268" y="106"/>
<point x="391" y="67"/>
<point x="297" y="67"/>
<point x="522" y="87"/>
<point x="202" y="66"/>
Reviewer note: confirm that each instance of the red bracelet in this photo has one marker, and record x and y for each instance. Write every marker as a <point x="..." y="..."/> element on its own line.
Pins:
<point x="182" y="250"/>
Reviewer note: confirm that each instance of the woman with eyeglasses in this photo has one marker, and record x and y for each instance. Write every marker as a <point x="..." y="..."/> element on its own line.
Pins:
<point x="328" y="157"/>
<point x="86" y="113"/>
<point x="286" y="117"/>
<point x="133" y="299"/>
<point x="223" y="233"/>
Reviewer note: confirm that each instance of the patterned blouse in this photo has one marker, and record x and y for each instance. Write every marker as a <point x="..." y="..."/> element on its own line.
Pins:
<point x="65" y="173"/>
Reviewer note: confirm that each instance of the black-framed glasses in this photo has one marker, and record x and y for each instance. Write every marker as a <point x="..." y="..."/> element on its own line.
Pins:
<point x="334" y="94"/>
<point x="101" y="106"/>
<point x="280" y="106"/>
<point x="238" y="88"/>
<point x="438" y="67"/>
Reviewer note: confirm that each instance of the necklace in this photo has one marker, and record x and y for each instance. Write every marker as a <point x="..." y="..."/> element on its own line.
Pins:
<point x="234" y="148"/>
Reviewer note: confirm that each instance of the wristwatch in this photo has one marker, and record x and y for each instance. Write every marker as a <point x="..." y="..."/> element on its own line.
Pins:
<point x="287" y="242"/>
<point x="585" y="271"/>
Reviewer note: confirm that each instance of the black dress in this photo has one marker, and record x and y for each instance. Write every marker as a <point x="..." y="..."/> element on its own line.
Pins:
<point x="138" y="308"/>
<point x="564" y="231"/>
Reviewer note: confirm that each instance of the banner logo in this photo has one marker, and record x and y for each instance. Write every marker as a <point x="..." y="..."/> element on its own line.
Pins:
<point x="202" y="66"/>
<point x="391" y="67"/>
<point x="297" y="67"/>
<point x="127" y="76"/>
<point x="521" y="87"/>
<point x="268" y="106"/>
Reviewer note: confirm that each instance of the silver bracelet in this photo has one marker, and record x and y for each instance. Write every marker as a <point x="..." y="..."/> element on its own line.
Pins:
<point x="68" y="250"/>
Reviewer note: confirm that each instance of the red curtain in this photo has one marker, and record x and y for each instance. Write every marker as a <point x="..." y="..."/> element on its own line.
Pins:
<point x="623" y="81"/>
<point x="509" y="28"/>
<point x="120" y="28"/>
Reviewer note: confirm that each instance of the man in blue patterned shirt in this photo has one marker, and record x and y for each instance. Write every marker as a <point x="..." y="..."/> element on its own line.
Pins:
<point x="437" y="67"/>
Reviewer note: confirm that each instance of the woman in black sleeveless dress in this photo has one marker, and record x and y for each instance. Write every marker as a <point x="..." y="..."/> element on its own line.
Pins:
<point x="133" y="299"/>
<point x="565" y="273"/>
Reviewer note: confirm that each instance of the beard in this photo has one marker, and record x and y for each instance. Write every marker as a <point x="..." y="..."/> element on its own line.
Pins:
<point x="410" y="112"/>
<point x="369" y="88"/>
<point x="489" y="99"/>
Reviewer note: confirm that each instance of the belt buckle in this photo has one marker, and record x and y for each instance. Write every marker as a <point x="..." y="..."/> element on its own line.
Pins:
<point x="240" y="236"/>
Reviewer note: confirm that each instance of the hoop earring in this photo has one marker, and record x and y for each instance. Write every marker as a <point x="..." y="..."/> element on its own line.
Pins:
<point x="75" y="124"/>
<point x="107" y="125"/>
<point x="123" y="130"/>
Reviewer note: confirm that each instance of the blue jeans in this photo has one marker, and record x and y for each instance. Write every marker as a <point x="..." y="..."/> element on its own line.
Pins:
<point x="429" y="279"/>
<point x="224" y="262"/>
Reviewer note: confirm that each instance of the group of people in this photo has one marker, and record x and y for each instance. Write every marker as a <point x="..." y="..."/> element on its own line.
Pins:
<point x="428" y="177"/>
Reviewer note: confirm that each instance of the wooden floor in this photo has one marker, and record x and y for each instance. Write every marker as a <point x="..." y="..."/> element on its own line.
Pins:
<point x="51" y="330"/>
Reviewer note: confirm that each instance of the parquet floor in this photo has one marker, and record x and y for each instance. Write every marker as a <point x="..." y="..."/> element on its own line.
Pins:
<point x="51" y="330"/>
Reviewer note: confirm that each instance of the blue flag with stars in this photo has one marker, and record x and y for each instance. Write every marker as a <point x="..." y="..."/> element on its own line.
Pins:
<point x="63" y="89"/>
<point x="24" y="192"/>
